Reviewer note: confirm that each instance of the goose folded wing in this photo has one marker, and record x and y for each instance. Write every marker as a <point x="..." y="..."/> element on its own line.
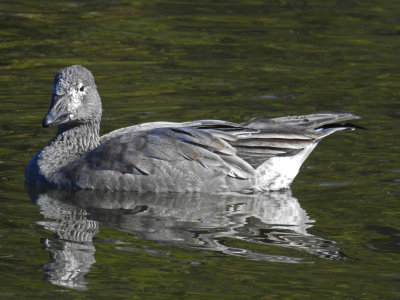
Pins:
<point x="140" y="152"/>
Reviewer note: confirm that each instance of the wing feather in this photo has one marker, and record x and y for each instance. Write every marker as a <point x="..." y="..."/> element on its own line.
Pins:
<point x="230" y="148"/>
<point x="139" y="153"/>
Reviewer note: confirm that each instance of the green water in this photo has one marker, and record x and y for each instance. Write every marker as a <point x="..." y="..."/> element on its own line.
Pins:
<point x="335" y="235"/>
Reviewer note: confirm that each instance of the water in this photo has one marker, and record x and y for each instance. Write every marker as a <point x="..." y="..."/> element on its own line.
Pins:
<point x="336" y="234"/>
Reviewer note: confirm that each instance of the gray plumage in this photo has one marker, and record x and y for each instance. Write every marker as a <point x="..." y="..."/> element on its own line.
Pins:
<point x="198" y="156"/>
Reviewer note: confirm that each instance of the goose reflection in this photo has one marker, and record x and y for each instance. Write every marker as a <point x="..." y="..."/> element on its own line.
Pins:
<point x="186" y="220"/>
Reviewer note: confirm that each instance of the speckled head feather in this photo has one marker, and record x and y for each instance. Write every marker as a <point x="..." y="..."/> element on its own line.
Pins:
<point x="75" y="98"/>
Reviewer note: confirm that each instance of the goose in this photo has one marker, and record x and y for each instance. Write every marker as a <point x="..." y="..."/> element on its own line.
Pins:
<point x="209" y="156"/>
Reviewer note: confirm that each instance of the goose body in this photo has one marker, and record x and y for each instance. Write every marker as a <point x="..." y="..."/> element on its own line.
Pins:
<point x="199" y="156"/>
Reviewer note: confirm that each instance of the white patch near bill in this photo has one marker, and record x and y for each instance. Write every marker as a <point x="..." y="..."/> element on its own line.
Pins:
<point x="76" y="96"/>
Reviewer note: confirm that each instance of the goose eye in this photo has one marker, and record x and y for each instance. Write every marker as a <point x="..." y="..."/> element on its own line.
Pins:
<point x="82" y="88"/>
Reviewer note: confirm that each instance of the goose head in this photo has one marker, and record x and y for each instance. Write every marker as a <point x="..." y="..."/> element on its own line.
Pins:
<point x="75" y="98"/>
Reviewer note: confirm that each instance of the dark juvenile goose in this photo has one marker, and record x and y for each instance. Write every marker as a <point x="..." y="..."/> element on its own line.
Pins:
<point x="198" y="156"/>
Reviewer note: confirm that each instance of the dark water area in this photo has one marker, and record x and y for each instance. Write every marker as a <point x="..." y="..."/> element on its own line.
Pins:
<point x="334" y="235"/>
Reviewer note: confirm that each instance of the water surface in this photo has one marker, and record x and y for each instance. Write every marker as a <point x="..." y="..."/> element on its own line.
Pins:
<point x="336" y="234"/>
